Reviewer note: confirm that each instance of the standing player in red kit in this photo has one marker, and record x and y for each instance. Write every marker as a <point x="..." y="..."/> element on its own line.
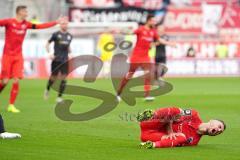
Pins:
<point x="146" y="35"/>
<point x="12" y="59"/>
<point x="175" y="127"/>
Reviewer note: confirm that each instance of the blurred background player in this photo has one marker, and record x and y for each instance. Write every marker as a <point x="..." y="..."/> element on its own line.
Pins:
<point x="12" y="60"/>
<point x="105" y="55"/>
<point x="139" y="58"/>
<point x="62" y="40"/>
<point x="160" y="56"/>
<point x="191" y="53"/>
<point x="4" y="134"/>
<point x="175" y="127"/>
<point x="221" y="50"/>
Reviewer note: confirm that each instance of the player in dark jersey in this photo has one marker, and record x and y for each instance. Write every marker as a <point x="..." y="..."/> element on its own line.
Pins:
<point x="160" y="57"/>
<point x="62" y="40"/>
<point x="4" y="134"/>
<point x="175" y="127"/>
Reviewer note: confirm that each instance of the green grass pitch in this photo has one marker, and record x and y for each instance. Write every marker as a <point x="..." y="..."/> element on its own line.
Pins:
<point x="115" y="136"/>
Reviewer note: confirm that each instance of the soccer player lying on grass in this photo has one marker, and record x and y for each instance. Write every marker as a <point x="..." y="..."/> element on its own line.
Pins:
<point x="175" y="127"/>
<point x="6" y="135"/>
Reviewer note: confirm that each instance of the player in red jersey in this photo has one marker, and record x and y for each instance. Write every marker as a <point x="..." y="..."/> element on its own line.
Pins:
<point x="12" y="59"/>
<point x="175" y="127"/>
<point x="146" y="35"/>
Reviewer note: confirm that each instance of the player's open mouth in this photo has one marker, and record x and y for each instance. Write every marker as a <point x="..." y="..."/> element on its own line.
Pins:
<point x="213" y="131"/>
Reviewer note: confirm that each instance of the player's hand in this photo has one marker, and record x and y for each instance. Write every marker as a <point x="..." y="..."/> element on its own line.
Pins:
<point x="62" y="19"/>
<point x="51" y="56"/>
<point x="70" y="56"/>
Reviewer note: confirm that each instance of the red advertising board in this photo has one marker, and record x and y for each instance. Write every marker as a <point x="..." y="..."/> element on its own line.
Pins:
<point x="188" y="20"/>
<point x="230" y="17"/>
<point x="222" y="2"/>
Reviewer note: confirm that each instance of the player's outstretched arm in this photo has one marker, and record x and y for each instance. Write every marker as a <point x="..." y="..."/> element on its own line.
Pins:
<point x="42" y="26"/>
<point x="110" y="31"/>
<point x="165" y="42"/>
<point x="47" y="25"/>
<point x="3" y="22"/>
<point x="128" y="31"/>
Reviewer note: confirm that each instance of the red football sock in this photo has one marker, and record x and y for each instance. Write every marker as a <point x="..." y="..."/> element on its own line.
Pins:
<point x="2" y="86"/>
<point x="14" y="93"/>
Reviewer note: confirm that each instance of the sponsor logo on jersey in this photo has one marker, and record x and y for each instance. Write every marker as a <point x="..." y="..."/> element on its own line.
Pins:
<point x="151" y="33"/>
<point x="64" y="42"/>
<point x="24" y="26"/>
<point x="18" y="31"/>
<point x="150" y="39"/>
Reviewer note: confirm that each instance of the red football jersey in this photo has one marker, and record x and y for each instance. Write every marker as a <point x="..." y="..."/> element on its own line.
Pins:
<point x="188" y="124"/>
<point x="185" y="121"/>
<point x="145" y="37"/>
<point x="15" y="33"/>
